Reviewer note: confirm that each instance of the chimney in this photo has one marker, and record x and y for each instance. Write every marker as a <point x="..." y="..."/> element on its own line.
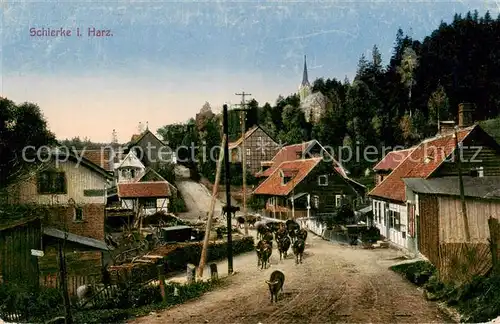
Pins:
<point x="446" y="126"/>
<point x="465" y="112"/>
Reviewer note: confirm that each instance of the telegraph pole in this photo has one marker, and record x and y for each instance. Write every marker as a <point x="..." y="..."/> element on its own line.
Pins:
<point x="228" y="193"/>
<point x="244" y="154"/>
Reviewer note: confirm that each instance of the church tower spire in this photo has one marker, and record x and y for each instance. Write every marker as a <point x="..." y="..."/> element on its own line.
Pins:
<point x="305" y="79"/>
<point x="305" y="86"/>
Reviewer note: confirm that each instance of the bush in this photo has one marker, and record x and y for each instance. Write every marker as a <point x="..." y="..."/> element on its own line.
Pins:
<point x="34" y="305"/>
<point x="418" y="272"/>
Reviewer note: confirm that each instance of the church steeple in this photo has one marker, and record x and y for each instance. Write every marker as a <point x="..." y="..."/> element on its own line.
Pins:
<point x="305" y="86"/>
<point x="305" y="79"/>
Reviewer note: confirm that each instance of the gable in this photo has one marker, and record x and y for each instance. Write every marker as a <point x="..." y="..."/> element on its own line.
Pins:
<point x="151" y="176"/>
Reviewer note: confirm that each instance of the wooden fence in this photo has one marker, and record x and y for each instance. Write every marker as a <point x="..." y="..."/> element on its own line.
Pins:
<point x="460" y="262"/>
<point x="74" y="281"/>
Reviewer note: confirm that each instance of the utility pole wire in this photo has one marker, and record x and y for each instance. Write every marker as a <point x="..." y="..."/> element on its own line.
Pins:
<point x="244" y="154"/>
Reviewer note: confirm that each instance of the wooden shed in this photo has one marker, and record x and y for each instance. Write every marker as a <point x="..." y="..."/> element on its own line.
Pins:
<point x="440" y="227"/>
<point x="18" y="237"/>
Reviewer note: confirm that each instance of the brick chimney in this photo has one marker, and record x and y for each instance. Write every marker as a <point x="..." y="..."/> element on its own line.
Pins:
<point x="446" y="126"/>
<point x="465" y="112"/>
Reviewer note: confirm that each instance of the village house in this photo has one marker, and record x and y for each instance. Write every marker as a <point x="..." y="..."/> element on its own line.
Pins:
<point x="150" y="150"/>
<point x="438" y="231"/>
<point x="432" y="158"/>
<point x="306" y="150"/>
<point x="388" y="163"/>
<point x="74" y="191"/>
<point x="259" y="146"/>
<point x="139" y="192"/>
<point x="305" y="188"/>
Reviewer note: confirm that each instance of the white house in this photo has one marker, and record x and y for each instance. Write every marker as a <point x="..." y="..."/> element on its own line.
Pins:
<point x="394" y="210"/>
<point x="130" y="169"/>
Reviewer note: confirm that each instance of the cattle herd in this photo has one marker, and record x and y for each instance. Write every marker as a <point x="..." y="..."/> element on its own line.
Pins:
<point x="285" y="234"/>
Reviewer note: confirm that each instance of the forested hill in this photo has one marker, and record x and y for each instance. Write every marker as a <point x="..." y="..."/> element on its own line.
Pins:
<point x="397" y="104"/>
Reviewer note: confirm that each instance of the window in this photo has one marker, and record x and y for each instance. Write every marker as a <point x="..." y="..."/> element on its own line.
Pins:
<point x="315" y="201"/>
<point x="338" y="200"/>
<point x="323" y="180"/>
<point x="52" y="182"/>
<point x="132" y="173"/>
<point x="259" y="139"/>
<point x="78" y="217"/>
<point x="394" y="220"/>
<point x="150" y="203"/>
<point x="248" y="152"/>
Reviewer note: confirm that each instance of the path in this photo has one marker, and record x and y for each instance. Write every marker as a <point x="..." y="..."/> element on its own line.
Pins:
<point x="334" y="284"/>
<point x="196" y="196"/>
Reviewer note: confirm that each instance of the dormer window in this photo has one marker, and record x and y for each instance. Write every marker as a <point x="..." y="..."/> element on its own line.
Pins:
<point x="299" y="155"/>
<point x="427" y="159"/>
<point x="323" y="180"/>
<point x="286" y="176"/>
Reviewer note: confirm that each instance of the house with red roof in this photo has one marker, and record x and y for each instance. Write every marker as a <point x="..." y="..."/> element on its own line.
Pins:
<point x="469" y="146"/>
<point x="305" y="187"/>
<point x="259" y="146"/>
<point x="388" y="163"/>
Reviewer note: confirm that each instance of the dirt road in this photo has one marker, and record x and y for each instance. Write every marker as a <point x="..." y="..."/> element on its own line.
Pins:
<point x="334" y="284"/>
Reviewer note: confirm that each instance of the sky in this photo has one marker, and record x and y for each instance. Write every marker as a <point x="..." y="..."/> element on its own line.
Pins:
<point x="162" y="60"/>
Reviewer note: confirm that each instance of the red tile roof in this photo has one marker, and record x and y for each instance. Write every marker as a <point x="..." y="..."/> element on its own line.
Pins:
<point x="101" y="157"/>
<point x="392" y="160"/>
<point x="294" y="152"/>
<point x="420" y="163"/>
<point x="273" y="184"/>
<point x="158" y="189"/>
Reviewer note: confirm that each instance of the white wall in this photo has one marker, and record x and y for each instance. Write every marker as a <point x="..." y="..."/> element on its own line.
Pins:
<point x="398" y="237"/>
<point x="161" y="205"/>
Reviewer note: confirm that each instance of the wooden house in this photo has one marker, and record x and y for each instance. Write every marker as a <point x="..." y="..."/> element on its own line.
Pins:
<point x="150" y="150"/>
<point x="307" y="150"/>
<point x="259" y="147"/>
<point x="439" y="229"/>
<point x="432" y="158"/>
<point x="305" y="187"/>
<point x="149" y="195"/>
<point x="388" y="163"/>
<point x="74" y="191"/>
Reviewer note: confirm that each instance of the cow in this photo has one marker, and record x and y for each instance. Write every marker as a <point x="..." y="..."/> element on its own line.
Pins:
<point x="241" y="221"/>
<point x="283" y="246"/>
<point x="224" y="211"/>
<point x="282" y="232"/>
<point x="269" y="238"/>
<point x="292" y="227"/>
<point x="264" y="251"/>
<point x="262" y="229"/>
<point x="274" y="226"/>
<point x="298" y="249"/>
<point x="302" y="234"/>
<point x="275" y="284"/>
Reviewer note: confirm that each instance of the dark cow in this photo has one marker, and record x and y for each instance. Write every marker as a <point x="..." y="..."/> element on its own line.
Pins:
<point x="262" y="229"/>
<point x="269" y="238"/>
<point x="302" y="234"/>
<point x="298" y="249"/>
<point x="234" y="209"/>
<point x="274" y="226"/>
<point x="282" y="232"/>
<point x="241" y="221"/>
<point x="259" y="248"/>
<point x="275" y="284"/>
<point x="283" y="246"/>
<point x="293" y="235"/>
<point x="264" y="251"/>
<point x="292" y="226"/>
